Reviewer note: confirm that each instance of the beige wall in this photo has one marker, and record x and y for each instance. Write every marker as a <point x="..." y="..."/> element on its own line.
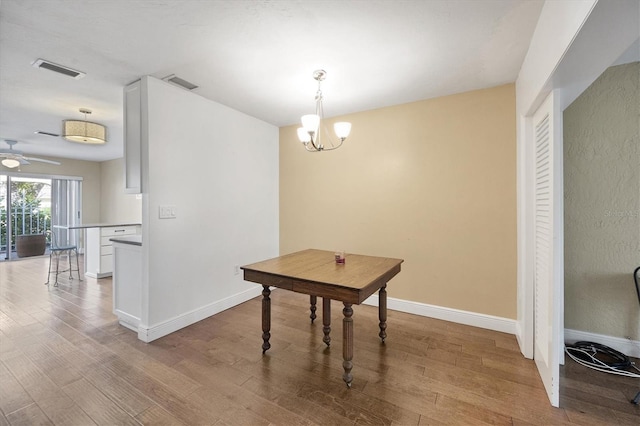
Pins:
<point x="431" y="182"/>
<point x="88" y="170"/>
<point x="103" y="197"/>
<point x="116" y="206"/>
<point x="602" y="205"/>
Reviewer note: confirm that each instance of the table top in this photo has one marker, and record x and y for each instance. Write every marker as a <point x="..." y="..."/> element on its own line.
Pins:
<point x="316" y="272"/>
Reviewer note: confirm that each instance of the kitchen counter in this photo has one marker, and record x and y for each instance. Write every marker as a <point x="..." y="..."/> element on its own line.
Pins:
<point x="98" y="259"/>
<point x="97" y="225"/>
<point x="98" y="248"/>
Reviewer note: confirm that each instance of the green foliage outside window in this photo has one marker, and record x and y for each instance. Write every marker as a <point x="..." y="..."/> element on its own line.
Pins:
<point x="28" y="217"/>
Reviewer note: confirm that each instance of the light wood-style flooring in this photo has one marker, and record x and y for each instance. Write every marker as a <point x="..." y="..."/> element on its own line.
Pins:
<point x="66" y="361"/>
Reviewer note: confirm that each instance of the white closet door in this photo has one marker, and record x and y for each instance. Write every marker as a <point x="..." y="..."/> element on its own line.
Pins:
<point x="548" y="269"/>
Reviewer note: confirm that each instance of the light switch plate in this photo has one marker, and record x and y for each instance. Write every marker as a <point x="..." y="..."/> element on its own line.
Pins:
<point x="167" y="211"/>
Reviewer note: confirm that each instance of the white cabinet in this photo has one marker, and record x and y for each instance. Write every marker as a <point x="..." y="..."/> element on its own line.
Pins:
<point x="134" y="130"/>
<point x="127" y="282"/>
<point x="98" y="256"/>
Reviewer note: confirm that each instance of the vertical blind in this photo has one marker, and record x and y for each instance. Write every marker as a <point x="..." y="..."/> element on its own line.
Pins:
<point x="66" y="210"/>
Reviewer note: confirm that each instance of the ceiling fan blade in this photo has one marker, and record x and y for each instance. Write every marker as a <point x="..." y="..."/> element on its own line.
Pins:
<point x="10" y="151"/>
<point x="17" y="155"/>
<point x="42" y="160"/>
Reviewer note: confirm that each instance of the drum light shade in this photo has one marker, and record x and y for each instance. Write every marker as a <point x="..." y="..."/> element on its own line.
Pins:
<point x="84" y="132"/>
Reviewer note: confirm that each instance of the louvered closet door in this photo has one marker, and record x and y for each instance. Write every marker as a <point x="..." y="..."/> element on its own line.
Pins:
<point x="547" y="285"/>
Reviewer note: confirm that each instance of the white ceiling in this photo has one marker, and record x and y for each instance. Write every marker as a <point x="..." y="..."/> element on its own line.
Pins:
<point x="254" y="56"/>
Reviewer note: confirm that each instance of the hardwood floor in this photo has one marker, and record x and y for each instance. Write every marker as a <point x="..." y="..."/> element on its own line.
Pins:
<point x="66" y="360"/>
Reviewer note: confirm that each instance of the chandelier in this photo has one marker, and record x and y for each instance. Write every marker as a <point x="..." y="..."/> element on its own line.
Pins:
<point x="83" y="131"/>
<point x="310" y="135"/>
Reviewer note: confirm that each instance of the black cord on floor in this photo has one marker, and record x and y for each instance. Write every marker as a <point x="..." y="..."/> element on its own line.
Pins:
<point x="603" y="358"/>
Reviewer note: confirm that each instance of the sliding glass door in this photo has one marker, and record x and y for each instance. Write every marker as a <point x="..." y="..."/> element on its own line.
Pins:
<point x="30" y="207"/>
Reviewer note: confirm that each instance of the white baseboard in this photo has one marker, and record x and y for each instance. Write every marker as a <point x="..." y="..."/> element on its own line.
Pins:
<point x="148" y="334"/>
<point x="489" y="322"/>
<point x="525" y="347"/>
<point x="626" y="346"/>
<point x="98" y="276"/>
<point x="127" y="320"/>
<point x="474" y="319"/>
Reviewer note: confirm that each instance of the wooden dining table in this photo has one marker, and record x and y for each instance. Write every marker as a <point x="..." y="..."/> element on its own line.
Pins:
<point x="318" y="274"/>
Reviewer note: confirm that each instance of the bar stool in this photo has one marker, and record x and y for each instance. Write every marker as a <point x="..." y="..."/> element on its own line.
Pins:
<point x="57" y="251"/>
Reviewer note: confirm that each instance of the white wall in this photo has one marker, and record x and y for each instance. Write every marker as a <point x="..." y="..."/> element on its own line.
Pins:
<point x="115" y="205"/>
<point x="558" y="25"/>
<point x="219" y="168"/>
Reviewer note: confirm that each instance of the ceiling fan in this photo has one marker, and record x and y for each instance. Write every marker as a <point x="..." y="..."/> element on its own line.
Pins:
<point x="13" y="159"/>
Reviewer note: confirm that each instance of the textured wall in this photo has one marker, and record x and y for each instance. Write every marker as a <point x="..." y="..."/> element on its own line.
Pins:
<point x="602" y="205"/>
<point x="431" y="182"/>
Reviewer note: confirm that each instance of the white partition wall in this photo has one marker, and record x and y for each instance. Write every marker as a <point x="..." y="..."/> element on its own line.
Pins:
<point x="216" y="170"/>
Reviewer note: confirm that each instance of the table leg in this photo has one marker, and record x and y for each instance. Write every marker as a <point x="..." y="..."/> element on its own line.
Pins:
<point x="347" y="343"/>
<point x="326" y="320"/>
<point x="382" y="312"/>
<point x="266" y="318"/>
<point x="312" y="303"/>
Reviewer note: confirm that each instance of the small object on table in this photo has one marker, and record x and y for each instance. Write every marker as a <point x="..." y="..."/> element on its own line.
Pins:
<point x="339" y="257"/>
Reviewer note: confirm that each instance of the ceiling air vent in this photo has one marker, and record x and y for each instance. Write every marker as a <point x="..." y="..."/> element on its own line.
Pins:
<point x="60" y="69"/>
<point x="180" y="82"/>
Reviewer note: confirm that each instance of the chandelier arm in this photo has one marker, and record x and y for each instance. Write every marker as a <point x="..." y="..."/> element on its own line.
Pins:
<point x="316" y="147"/>
<point x="327" y="134"/>
<point x="334" y="147"/>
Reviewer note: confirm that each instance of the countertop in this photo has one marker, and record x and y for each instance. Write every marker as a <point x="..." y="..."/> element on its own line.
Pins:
<point x="134" y="240"/>
<point x="97" y="225"/>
